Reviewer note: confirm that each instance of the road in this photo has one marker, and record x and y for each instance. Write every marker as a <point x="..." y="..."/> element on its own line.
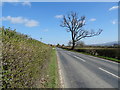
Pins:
<point x="85" y="71"/>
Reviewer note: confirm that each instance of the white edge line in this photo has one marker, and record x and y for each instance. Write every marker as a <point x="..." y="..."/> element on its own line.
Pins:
<point x="109" y="72"/>
<point x="60" y="72"/>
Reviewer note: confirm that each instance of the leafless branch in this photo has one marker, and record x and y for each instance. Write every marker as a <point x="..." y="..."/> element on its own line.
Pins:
<point x="74" y="24"/>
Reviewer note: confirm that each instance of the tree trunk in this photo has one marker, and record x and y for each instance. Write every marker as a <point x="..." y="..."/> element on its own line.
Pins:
<point x="73" y="46"/>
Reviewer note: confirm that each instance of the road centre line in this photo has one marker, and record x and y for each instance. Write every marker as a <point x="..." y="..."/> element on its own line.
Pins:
<point x="69" y="53"/>
<point x="109" y="72"/>
<point x="79" y="58"/>
<point x="100" y="58"/>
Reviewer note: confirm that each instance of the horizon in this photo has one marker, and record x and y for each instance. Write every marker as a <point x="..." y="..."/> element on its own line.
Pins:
<point x="45" y="25"/>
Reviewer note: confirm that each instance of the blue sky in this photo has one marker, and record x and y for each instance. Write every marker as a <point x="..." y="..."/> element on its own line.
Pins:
<point x="42" y="19"/>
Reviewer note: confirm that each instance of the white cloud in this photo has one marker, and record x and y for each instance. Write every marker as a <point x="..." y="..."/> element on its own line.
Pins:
<point x="113" y="8"/>
<point x="21" y="20"/>
<point x="10" y="1"/>
<point x="1" y="3"/>
<point x="114" y="22"/>
<point x="31" y="23"/>
<point x="59" y="16"/>
<point x="26" y="3"/>
<point x="92" y="19"/>
<point x="46" y="30"/>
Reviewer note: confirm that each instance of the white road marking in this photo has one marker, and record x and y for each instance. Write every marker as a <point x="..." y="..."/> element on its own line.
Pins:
<point x="109" y="73"/>
<point x="69" y="53"/>
<point x="60" y="72"/>
<point x="79" y="58"/>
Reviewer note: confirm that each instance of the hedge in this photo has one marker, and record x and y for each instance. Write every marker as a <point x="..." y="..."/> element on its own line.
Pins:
<point x="107" y="52"/>
<point x="24" y="60"/>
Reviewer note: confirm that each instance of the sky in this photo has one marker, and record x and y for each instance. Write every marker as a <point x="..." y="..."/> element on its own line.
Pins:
<point x="42" y="20"/>
<point x="61" y="0"/>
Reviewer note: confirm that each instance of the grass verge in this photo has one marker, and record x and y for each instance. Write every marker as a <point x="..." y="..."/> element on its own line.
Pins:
<point x="52" y="73"/>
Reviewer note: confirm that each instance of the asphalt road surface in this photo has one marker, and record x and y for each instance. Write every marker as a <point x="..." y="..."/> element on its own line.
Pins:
<point x="84" y="71"/>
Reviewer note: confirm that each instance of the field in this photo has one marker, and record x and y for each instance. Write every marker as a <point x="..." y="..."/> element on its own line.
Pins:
<point x="25" y="61"/>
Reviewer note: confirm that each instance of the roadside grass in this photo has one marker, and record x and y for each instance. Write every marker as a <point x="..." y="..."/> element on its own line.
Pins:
<point x="52" y="73"/>
<point x="107" y="58"/>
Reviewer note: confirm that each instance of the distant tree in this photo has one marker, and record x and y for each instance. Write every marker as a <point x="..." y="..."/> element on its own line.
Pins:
<point x="63" y="45"/>
<point x="80" y="44"/>
<point x="74" y="24"/>
<point x="58" y="45"/>
<point x="70" y="43"/>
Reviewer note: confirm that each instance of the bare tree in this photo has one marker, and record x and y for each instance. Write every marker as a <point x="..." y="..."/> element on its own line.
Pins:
<point x="74" y="24"/>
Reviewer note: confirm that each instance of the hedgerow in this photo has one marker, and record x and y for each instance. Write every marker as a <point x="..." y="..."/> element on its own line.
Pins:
<point x="107" y="52"/>
<point x="24" y="60"/>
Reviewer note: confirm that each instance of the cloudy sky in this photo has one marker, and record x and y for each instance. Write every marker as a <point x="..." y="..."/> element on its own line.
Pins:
<point x="42" y="19"/>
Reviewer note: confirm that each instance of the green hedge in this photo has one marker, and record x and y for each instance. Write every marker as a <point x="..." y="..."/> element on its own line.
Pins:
<point x="107" y="52"/>
<point x="24" y="60"/>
